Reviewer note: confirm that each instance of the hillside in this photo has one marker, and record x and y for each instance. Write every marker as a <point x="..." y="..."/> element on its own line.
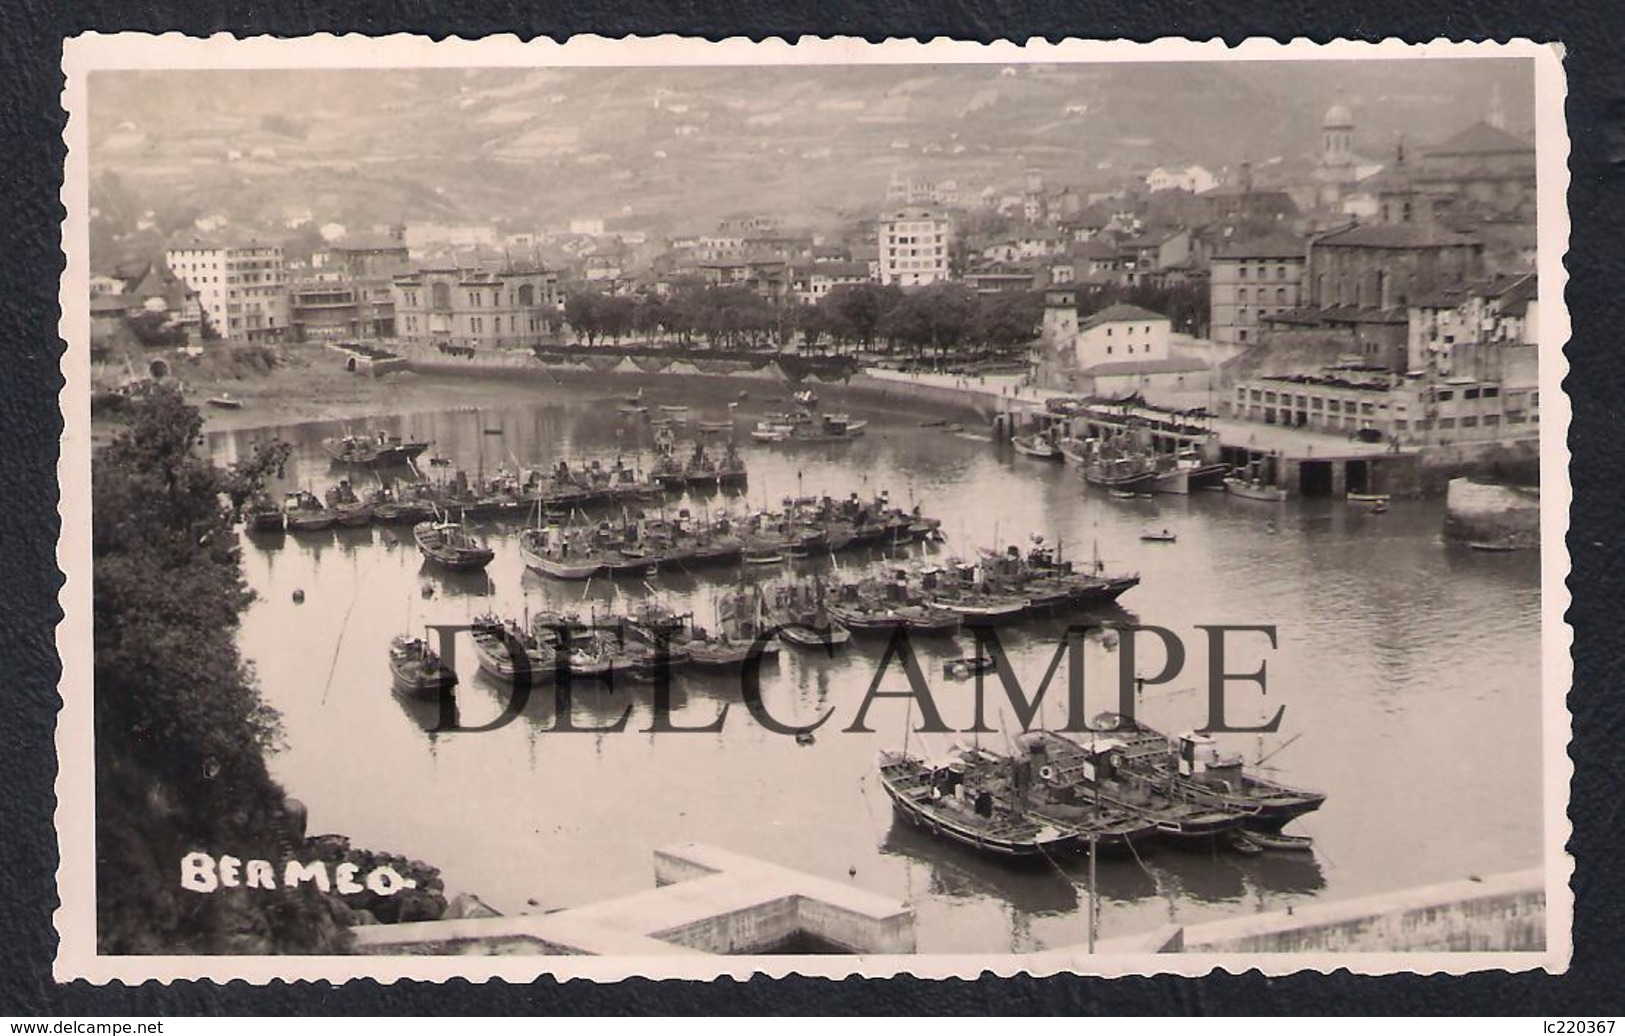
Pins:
<point x="676" y="148"/>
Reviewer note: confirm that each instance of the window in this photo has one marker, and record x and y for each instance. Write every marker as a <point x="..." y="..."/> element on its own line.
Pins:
<point x="1244" y="273"/>
<point x="1241" y="335"/>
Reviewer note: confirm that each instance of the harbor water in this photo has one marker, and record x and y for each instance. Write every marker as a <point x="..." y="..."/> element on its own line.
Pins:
<point x="1408" y="671"/>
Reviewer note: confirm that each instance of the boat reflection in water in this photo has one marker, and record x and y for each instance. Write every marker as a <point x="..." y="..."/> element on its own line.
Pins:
<point x="1060" y="884"/>
<point x="455" y="583"/>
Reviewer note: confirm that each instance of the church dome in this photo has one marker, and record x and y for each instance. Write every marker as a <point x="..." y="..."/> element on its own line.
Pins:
<point x="1338" y="117"/>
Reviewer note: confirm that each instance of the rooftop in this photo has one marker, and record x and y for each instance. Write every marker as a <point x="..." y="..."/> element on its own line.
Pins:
<point x="1482" y="139"/>
<point x="1119" y="313"/>
<point x="1395" y="236"/>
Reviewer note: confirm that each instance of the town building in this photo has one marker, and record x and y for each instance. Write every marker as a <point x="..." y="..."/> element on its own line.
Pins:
<point x="1250" y="280"/>
<point x="349" y="294"/>
<point x="1191" y="179"/>
<point x="1481" y="171"/>
<point x="913" y="244"/>
<point x="814" y="282"/>
<point x="1382" y="266"/>
<point x="1122" y="332"/>
<point x="1339" y="170"/>
<point x="508" y="306"/>
<point x="243" y="289"/>
<point x="1244" y="210"/>
<point x="1119" y="351"/>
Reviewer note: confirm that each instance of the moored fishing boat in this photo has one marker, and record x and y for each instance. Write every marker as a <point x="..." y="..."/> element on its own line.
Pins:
<point x="1107" y="768"/>
<point x="303" y="512"/>
<point x="799" y="613"/>
<point x="263" y="515"/>
<point x="954" y="799"/>
<point x="416" y="669"/>
<point x="1254" y="489"/>
<point x="884" y="607"/>
<point x="451" y="545"/>
<point x="380" y="449"/>
<point x="510" y="653"/>
<point x="348" y="509"/>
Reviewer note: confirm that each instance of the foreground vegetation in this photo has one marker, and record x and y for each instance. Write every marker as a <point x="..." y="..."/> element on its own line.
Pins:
<point x="182" y="733"/>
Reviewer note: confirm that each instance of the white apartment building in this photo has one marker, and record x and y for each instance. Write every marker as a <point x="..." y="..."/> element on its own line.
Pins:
<point x="243" y="289"/>
<point x="913" y="245"/>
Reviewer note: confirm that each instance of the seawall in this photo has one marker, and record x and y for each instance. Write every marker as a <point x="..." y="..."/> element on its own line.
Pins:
<point x="1501" y="913"/>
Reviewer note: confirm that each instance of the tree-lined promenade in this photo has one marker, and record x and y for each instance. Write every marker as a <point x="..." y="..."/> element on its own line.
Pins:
<point x="936" y="320"/>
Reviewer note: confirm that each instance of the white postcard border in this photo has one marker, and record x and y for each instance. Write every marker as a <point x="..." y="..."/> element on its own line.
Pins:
<point x="75" y="822"/>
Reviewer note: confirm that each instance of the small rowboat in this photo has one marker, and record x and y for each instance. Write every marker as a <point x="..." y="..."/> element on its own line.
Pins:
<point x="1241" y="844"/>
<point x="1368" y="498"/>
<point x="224" y="401"/>
<point x="1035" y="446"/>
<point x="1278" y="841"/>
<point x="1156" y="536"/>
<point x="1489" y="547"/>
<point x="965" y="668"/>
<point x="674" y="408"/>
<point x="763" y="557"/>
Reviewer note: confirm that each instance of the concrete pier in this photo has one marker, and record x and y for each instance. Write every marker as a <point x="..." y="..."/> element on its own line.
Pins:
<point x="706" y="900"/>
<point x="1501" y="913"/>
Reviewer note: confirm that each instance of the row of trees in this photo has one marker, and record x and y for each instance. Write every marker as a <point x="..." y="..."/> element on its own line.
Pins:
<point x="937" y="318"/>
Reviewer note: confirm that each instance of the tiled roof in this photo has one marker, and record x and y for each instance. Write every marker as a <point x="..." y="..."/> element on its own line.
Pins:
<point x="1277" y="247"/>
<point x="1394" y="235"/>
<point x="1481" y="139"/>
<point x="1120" y="313"/>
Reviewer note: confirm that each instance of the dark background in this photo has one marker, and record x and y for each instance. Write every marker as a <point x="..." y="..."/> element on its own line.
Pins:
<point x="31" y="152"/>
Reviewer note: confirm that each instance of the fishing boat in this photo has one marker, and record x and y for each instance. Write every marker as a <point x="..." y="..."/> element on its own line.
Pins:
<point x="1171" y="478"/>
<point x="961" y="589"/>
<point x="797" y="610"/>
<point x="550" y="551"/>
<point x="451" y="545"/>
<point x="716" y="426"/>
<point x="379" y="449"/>
<point x="1492" y="546"/>
<point x="348" y="509"/>
<point x="263" y="515"/>
<point x="1368" y="498"/>
<point x="674" y="408"/>
<point x="225" y="401"/>
<point x="742" y="630"/>
<point x="883" y="608"/>
<point x="1106" y="769"/>
<point x="1254" y="489"/>
<point x="1193" y="763"/>
<point x="1132" y="474"/>
<point x="1037" y="445"/>
<point x="510" y="653"/>
<point x="303" y="512"/>
<point x="1158" y="536"/>
<point x="953" y="799"/>
<point x="416" y="669"/>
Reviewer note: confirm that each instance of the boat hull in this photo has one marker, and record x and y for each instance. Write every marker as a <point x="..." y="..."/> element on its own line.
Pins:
<point x="1251" y="491"/>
